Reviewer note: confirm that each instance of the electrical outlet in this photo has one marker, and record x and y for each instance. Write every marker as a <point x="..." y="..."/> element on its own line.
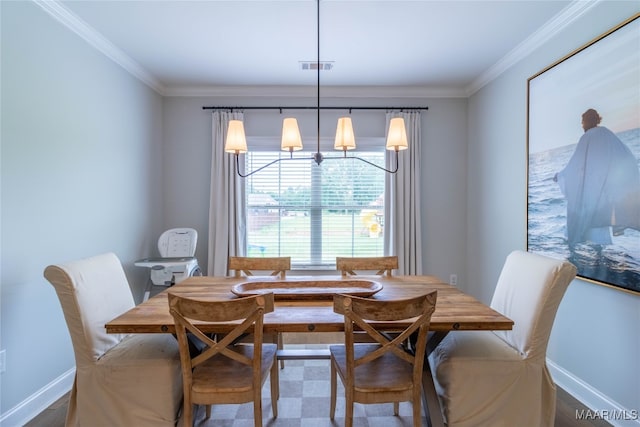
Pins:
<point x="453" y="279"/>
<point x="3" y="361"/>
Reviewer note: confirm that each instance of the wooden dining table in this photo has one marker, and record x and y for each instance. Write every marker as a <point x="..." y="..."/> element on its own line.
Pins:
<point x="304" y="304"/>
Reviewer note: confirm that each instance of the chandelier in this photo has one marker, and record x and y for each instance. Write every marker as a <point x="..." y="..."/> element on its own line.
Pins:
<point x="236" y="142"/>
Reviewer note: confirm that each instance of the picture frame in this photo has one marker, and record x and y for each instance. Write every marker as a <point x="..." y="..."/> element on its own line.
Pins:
<point x="583" y="157"/>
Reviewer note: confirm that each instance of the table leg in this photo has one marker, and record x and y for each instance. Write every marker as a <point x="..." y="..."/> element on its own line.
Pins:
<point x="147" y="290"/>
<point x="429" y="395"/>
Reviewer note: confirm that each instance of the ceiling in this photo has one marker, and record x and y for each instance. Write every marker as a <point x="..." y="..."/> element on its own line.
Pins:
<point x="189" y="47"/>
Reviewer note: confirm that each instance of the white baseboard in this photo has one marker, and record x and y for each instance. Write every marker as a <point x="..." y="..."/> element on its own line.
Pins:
<point x="26" y="410"/>
<point x="600" y="405"/>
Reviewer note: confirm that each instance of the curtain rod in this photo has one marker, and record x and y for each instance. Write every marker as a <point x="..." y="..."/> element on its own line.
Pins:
<point x="315" y="108"/>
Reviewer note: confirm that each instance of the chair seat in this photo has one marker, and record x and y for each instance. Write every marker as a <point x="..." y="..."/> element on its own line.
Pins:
<point x="144" y="369"/>
<point x="483" y="346"/>
<point x="143" y="349"/>
<point x="468" y="358"/>
<point x="469" y="361"/>
<point x="231" y="376"/>
<point x="388" y="372"/>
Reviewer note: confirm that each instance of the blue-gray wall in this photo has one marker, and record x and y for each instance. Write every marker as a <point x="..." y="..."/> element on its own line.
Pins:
<point x="80" y="149"/>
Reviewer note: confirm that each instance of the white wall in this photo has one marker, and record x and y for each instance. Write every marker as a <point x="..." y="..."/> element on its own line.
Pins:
<point x="80" y="153"/>
<point x="595" y="344"/>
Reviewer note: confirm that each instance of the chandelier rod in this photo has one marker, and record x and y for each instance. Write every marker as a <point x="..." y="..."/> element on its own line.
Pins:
<point x="318" y="156"/>
<point x="240" y="145"/>
<point x="311" y="108"/>
<point x="315" y="156"/>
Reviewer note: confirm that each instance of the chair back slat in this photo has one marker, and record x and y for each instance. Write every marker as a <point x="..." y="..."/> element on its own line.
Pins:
<point x="278" y="266"/>
<point x="381" y="265"/>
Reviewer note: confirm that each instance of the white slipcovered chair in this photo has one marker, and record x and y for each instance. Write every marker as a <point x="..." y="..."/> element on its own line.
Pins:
<point x="121" y="379"/>
<point x="500" y="378"/>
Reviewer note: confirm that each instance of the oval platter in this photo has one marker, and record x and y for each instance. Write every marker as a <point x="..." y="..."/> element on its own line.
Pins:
<point x="292" y="289"/>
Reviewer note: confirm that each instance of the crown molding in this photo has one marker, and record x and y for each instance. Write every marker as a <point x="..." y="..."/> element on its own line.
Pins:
<point x="311" y="91"/>
<point x="562" y="20"/>
<point x="98" y="41"/>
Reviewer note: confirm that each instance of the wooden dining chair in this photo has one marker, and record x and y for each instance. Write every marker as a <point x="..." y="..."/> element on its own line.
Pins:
<point x="277" y="266"/>
<point x="381" y="265"/>
<point x="385" y="371"/>
<point x="224" y="373"/>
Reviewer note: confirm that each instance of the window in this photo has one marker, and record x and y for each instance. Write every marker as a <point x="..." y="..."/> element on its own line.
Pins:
<point x="314" y="213"/>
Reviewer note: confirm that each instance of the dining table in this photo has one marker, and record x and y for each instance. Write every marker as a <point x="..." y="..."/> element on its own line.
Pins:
<point x="305" y="304"/>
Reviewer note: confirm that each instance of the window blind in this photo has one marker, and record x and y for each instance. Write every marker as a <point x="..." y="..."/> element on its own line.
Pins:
<point x="314" y="213"/>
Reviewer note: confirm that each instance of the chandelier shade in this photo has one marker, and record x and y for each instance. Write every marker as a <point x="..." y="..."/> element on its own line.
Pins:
<point x="397" y="135"/>
<point x="236" y="141"/>
<point x="291" y="139"/>
<point x="345" y="138"/>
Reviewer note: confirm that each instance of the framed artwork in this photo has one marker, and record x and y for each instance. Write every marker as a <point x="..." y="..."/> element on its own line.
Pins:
<point x="583" y="150"/>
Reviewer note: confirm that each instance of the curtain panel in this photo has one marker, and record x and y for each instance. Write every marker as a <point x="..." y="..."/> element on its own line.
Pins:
<point x="227" y="206"/>
<point x="403" y="228"/>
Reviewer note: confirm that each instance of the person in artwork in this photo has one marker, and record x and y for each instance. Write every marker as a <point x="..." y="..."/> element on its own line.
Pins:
<point x="601" y="183"/>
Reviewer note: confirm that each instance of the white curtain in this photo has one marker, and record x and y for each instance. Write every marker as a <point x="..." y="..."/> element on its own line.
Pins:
<point x="403" y="216"/>
<point x="227" y="206"/>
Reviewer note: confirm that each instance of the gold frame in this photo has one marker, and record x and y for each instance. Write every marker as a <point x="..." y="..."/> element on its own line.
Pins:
<point x="600" y="74"/>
